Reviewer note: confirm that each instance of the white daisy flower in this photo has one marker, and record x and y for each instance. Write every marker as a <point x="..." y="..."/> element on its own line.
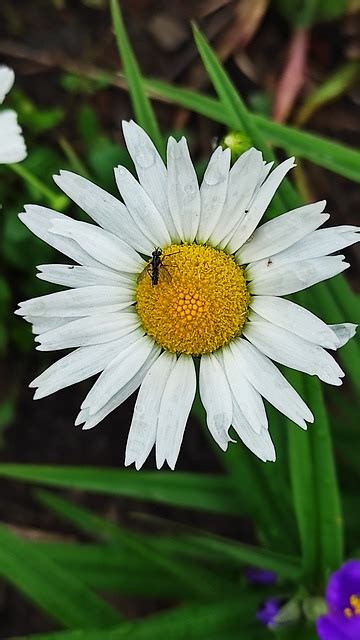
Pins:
<point x="179" y="274"/>
<point x="12" y="145"/>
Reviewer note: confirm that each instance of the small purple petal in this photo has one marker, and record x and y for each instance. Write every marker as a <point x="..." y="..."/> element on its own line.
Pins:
<point x="260" y="576"/>
<point x="338" y="628"/>
<point x="342" y="584"/>
<point x="268" y="611"/>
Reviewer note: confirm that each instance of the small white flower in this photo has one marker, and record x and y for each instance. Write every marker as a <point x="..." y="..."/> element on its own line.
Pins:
<point x="211" y="291"/>
<point x="12" y="145"/>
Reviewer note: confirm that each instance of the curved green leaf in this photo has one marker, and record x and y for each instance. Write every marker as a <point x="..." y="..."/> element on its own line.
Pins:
<point x="62" y="595"/>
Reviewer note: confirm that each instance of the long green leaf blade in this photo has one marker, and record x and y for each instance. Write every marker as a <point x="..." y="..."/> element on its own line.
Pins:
<point x="331" y="155"/>
<point x="328" y="154"/>
<point x="230" y="100"/>
<point x="328" y="498"/>
<point x="284" y="565"/>
<point x="195" y="491"/>
<point x="142" y="107"/>
<point x="59" y="593"/>
<point x="304" y="491"/>
<point x="193" y="577"/>
<point x="191" y="622"/>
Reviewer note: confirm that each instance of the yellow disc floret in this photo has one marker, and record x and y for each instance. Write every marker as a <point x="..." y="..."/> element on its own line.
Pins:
<point x="199" y="303"/>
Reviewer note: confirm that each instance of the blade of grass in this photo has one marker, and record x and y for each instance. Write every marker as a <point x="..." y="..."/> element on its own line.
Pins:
<point x="230" y="100"/>
<point x="192" y="622"/>
<point x="331" y="155"/>
<point x="334" y="156"/>
<point x="142" y="107"/>
<point x="333" y="87"/>
<point x="191" y="490"/>
<point x="245" y="471"/>
<point x="192" y="577"/>
<point x="56" y="201"/>
<point x="328" y="497"/>
<point x="332" y="313"/>
<point x="55" y="590"/>
<point x="284" y="565"/>
<point x="304" y="493"/>
<point x="109" y="568"/>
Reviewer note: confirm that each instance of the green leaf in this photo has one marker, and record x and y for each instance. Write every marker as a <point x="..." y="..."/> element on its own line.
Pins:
<point x="189" y="99"/>
<point x="193" y="622"/>
<point x="230" y="100"/>
<point x="55" y="590"/>
<point x="143" y="110"/>
<point x="195" y="491"/>
<point x="305" y="13"/>
<point x="335" y="301"/>
<point x="304" y="493"/>
<point x="315" y="489"/>
<point x="331" y="155"/>
<point x="192" y="577"/>
<point x="325" y="153"/>
<point x="333" y="87"/>
<point x="267" y="482"/>
<point x="284" y="565"/>
<point x="110" y="568"/>
<point x="328" y="499"/>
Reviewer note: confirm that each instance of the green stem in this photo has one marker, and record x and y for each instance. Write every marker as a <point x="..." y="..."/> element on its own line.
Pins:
<point x="54" y="200"/>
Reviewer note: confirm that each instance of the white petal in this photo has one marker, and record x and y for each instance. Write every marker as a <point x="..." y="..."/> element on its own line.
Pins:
<point x="84" y="301"/>
<point x="92" y="420"/>
<point x="101" y="206"/>
<point x="118" y="373"/>
<point x="265" y="172"/>
<point x="216" y="398"/>
<point x="90" y="330"/>
<point x="259" y="205"/>
<point x="281" y="281"/>
<point x="323" y="242"/>
<point x="41" y="325"/>
<point x="7" y="78"/>
<point x="243" y="180"/>
<point x="282" y="232"/>
<point x="142" y="209"/>
<point x="79" y="365"/>
<point x="344" y="332"/>
<point x="315" y="245"/>
<point x="142" y="434"/>
<point x="259" y="443"/>
<point x="248" y="399"/>
<point x="272" y="385"/>
<point x="39" y="219"/>
<point x="150" y="169"/>
<point x="102" y="245"/>
<point x="12" y="144"/>
<point x="69" y="275"/>
<point x="213" y="193"/>
<point x="294" y="318"/>
<point x="292" y="351"/>
<point x="183" y="190"/>
<point x="174" y="410"/>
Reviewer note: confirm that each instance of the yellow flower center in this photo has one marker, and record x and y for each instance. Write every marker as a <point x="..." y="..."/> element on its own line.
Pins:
<point x="199" y="303"/>
<point x="354" y="608"/>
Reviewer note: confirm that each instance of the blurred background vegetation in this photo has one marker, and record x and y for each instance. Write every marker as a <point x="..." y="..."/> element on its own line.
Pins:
<point x="296" y="63"/>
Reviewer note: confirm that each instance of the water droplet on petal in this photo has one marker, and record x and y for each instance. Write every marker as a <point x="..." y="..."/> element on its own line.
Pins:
<point x="145" y="158"/>
<point x="213" y="176"/>
<point x="189" y="188"/>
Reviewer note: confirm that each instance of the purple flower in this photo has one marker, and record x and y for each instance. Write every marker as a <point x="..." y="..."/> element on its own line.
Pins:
<point x="260" y="576"/>
<point x="268" y="611"/>
<point x="342" y="621"/>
